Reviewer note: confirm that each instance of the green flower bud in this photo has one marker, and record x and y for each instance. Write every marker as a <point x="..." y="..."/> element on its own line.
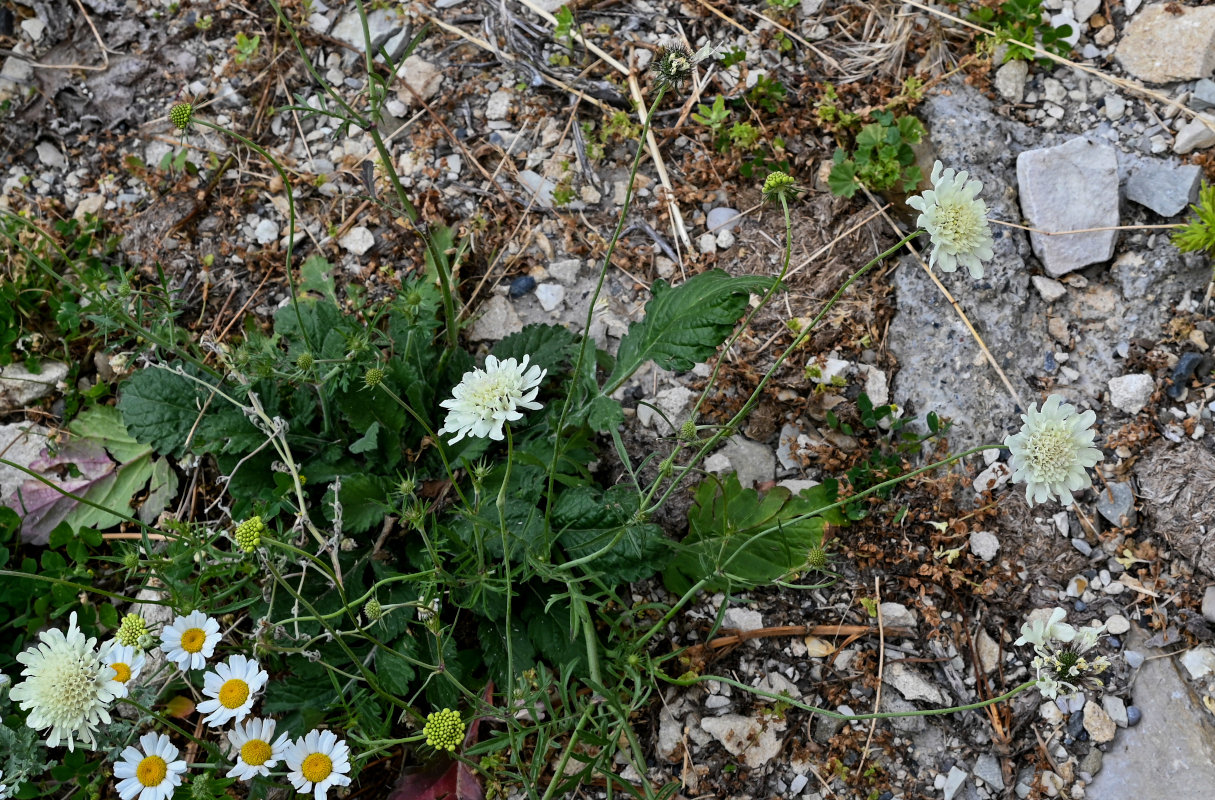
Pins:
<point x="817" y="559"/>
<point x="444" y="730"/>
<point x="181" y="114"/>
<point x="248" y="534"/>
<point x="373" y="611"/>
<point x="305" y="361"/>
<point x="778" y="185"/>
<point x="687" y="431"/>
<point x="373" y="377"/>
<point x="131" y="630"/>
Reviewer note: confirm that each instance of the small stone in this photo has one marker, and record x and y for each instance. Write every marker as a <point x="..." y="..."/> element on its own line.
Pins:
<point x="665" y="267"/>
<point x="1098" y="723"/>
<point x="92" y="204"/>
<point x="1160" y="46"/>
<point x="832" y="372"/>
<point x="798" y="783"/>
<point x="565" y="271"/>
<point x="1050" y="289"/>
<point x="1134" y="659"/>
<point x="265" y="232"/>
<point x="34" y="27"/>
<point x="992" y="478"/>
<point x="1133" y="715"/>
<point x="498" y="105"/>
<point x="1115" y="105"/>
<point x="716" y="701"/>
<point x="1084" y="547"/>
<point x="521" y="287"/>
<point x="497" y="321"/>
<point x="1182" y="372"/>
<point x="954" y="782"/>
<point x="1057" y="328"/>
<point x="671" y="402"/>
<point x="987" y="768"/>
<point x="877" y="386"/>
<point x="1120" y="509"/>
<point x="755" y="740"/>
<point x="1050" y="712"/>
<point x="358" y="240"/>
<point x="1197" y="134"/>
<point x="1130" y="393"/>
<point x="1049" y="180"/>
<point x="1163" y="187"/>
<point x="1091" y="763"/>
<point x="989" y="652"/>
<point x="1117" y="625"/>
<point x="911" y="684"/>
<point x="420" y="76"/>
<point x="706" y="243"/>
<point x="897" y="615"/>
<point x="1076" y="586"/>
<point x="1199" y="661"/>
<point x="19" y="387"/>
<point x="1052" y="783"/>
<point x="1208" y="604"/>
<point x="754" y="462"/>
<point x="550" y="295"/>
<point x="985" y="545"/>
<point x="49" y="155"/>
<point x="1203" y="96"/>
<point x="1065" y="17"/>
<point x="1010" y="80"/>
<point x="725" y="240"/>
<point x="1105" y="36"/>
<point x="722" y="218"/>
<point x="1085" y="9"/>
<point x="1115" y="708"/>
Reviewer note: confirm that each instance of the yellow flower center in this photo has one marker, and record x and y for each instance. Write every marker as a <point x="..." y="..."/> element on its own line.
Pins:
<point x="316" y="767"/>
<point x="1050" y="454"/>
<point x="255" y="752"/>
<point x="193" y="640"/>
<point x="122" y="672"/>
<point x="151" y="771"/>
<point x="233" y="693"/>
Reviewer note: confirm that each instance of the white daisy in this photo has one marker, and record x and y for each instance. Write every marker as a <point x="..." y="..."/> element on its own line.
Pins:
<point x="126" y="662"/>
<point x="66" y="688"/>
<point x="256" y="748"/>
<point x="956" y="221"/>
<point x="316" y="762"/>
<point x="190" y="640"/>
<point x="152" y="774"/>
<point x="231" y="685"/>
<point x="485" y="400"/>
<point x="1053" y="451"/>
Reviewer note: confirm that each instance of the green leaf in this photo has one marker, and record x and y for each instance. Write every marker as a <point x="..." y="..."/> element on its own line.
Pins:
<point x="870" y="137"/>
<point x="724" y="522"/>
<point x="160" y="408"/>
<point x="162" y="489"/>
<point x="550" y="346"/>
<point x="685" y="325"/>
<point x="395" y="673"/>
<point x="363" y="499"/>
<point x="316" y="275"/>
<point x="368" y="442"/>
<point x="604" y="414"/>
<point x="591" y="521"/>
<point x="842" y="179"/>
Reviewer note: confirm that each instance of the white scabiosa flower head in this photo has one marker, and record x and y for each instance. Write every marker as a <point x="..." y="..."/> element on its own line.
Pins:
<point x="956" y="220"/>
<point x="1039" y="631"/>
<point x="126" y="662"/>
<point x="1053" y="451"/>
<point x="151" y="772"/>
<point x="316" y="762"/>
<point x="190" y="640"/>
<point x="485" y="400"/>
<point x="67" y="687"/>
<point x="257" y="751"/>
<point x="231" y="687"/>
<point x="1062" y="661"/>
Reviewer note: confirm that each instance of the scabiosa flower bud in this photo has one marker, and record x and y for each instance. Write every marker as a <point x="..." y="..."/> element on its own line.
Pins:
<point x="373" y="377"/>
<point x="305" y="361"/>
<point x="131" y="630"/>
<point x="817" y="559"/>
<point x="673" y="66"/>
<point x="776" y="186"/>
<point x="444" y="730"/>
<point x="181" y="114"/>
<point x="248" y="534"/>
<point x="373" y="611"/>
<point x="687" y="431"/>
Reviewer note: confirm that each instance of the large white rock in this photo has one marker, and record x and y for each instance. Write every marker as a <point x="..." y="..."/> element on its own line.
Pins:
<point x="1161" y="46"/>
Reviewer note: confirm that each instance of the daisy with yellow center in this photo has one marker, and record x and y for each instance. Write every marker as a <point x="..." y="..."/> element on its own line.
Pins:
<point x="126" y="662"/>
<point x="316" y="762"/>
<point x="256" y="748"/>
<point x="190" y="640"/>
<point x="152" y="774"/>
<point x="231" y="687"/>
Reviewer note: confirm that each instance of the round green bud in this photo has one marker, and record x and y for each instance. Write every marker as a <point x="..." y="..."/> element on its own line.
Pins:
<point x="248" y="534"/>
<point x="778" y="185"/>
<point x="444" y="730"/>
<point x="130" y="559"/>
<point x="373" y="377"/>
<point x="687" y="431"/>
<point x="817" y="559"/>
<point x="373" y="611"/>
<point x="181" y="114"/>
<point x="131" y="630"/>
<point x="305" y="361"/>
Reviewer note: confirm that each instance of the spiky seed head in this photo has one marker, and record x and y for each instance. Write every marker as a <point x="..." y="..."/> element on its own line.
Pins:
<point x="673" y="66"/>
<point x="373" y="377"/>
<point x="778" y="185"/>
<point x="305" y="361"/>
<point x="181" y="114"/>
<point x="687" y="431"/>
<point x="373" y="611"/>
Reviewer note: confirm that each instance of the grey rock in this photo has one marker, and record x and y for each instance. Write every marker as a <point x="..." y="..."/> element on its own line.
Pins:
<point x="1115" y="708"/>
<point x="1175" y="483"/>
<point x="541" y="187"/>
<point x="892" y="703"/>
<point x="1171" y="753"/>
<point x="498" y="105"/>
<point x="897" y="615"/>
<point x="1165" y="188"/>
<point x="1199" y="661"/>
<point x="550" y="295"/>
<point x="985" y="545"/>
<point x="1115" y="107"/>
<point x="825" y="728"/>
<point x="672" y="402"/>
<point x="722" y="218"/>
<point x="1010" y="80"/>
<point x="911" y="684"/>
<point x="1049" y="180"/>
<point x="358" y="240"/>
<point x="1197" y="134"/>
<point x="266" y="231"/>
<point x="19" y="387"/>
<point x="382" y="24"/>
<point x="1159" y="46"/>
<point x="1203" y="96"/>
<point x="670" y="730"/>
<point x="754" y="462"/>
<point x="954" y="781"/>
<point x="497" y="321"/>
<point x="1134" y="660"/>
<point x="989" y="652"/>
<point x="877" y="385"/>
<point x="1084" y="547"/>
<point x="789" y="436"/>
<point x="1120" y="509"/>
<point x="1117" y="625"/>
<point x="566" y="270"/>
<point x="755" y="740"/>
<point x="987" y="768"/>
<point x="49" y="155"/>
<point x="706" y="243"/>
<point x="1085" y="9"/>
<point x="1208" y="604"/>
<point x="715" y="701"/>
<point x="1130" y="393"/>
<point x="1050" y="289"/>
<point x="1091" y="763"/>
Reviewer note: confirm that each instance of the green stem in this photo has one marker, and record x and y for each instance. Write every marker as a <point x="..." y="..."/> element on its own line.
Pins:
<point x="569" y="751"/>
<point x="501" y="504"/>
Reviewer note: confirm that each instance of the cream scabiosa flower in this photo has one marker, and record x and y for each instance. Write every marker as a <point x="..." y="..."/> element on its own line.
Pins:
<point x="256" y="748"/>
<point x="152" y="774"/>
<point x="126" y="662"/>
<point x="231" y="685"/>
<point x="316" y="762"/>
<point x="1053" y="451"/>
<point x="67" y="687"/>
<point x="1040" y="631"/>
<point x="956" y="221"/>
<point x="1062" y="662"/>
<point x="190" y="640"/>
<point x="485" y="400"/>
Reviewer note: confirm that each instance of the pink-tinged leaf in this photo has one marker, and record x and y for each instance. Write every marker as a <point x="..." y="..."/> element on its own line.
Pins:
<point x="43" y="507"/>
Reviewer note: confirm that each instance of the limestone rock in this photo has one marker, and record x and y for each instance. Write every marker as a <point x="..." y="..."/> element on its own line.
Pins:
<point x="19" y="387"/>
<point x="1130" y="393"/>
<point x="1160" y="46"/>
<point x="497" y="321"/>
<point x="754" y="739"/>
<point x="1197" y="134"/>
<point x="1051" y="181"/>
<point x="418" y="74"/>
<point x="1165" y="188"/>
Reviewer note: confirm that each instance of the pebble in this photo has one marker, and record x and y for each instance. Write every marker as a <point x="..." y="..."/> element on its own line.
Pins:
<point x="706" y="243"/>
<point x="1084" y="547"/>
<point x="1133" y="715"/>
<point x="1165" y="188"/>
<point x="50" y="156"/>
<point x="1130" y="393"/>
<point x="1203" y="96"/>
<point x="725" y="240"/>
<point x="497" y="321"/>
<point x="1050" y="712"/>
<point x="550" y="295"/>
<point x="985" y="544"/>
<point x="722" y="218"/>
<point x="1134" y="659"/>
<point x="1115" y="708"/>
<point x="1010" y="80"/>
<point x="1050" y="289"/>
<point x="716" y="701"/>
<point x="798" y="783"/>
<point x="897" y="615"/>
<point x="1117" y="625"/>
<point x="1199" y="661"/>
<point x="1197" y="134"/>
<point x="265" y="232"/>
<point x="565" y="271"/>
<point x="1208" y="604"/>
<point x="521" y="286"/>
<point x="1076" y="586"/>
<point x="1098" y="723"/>
<point x="357" y="240"/>
<point x="954" y="782"/>
<point x="1115" y="106"/>
<point x="993" y="477"/>
<point x="1075" y="723"/>
<point x="1119" y="510"/>
<point x="987" y="769"/>
<point x="420" y="75"/>
<point x="498" y="105"/>
<point x="1049" y="179"/>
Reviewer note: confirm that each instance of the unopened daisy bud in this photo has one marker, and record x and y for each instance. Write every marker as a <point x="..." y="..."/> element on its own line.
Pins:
<point x="248" y="534"/>
<point x="181" y="114"/>
<point x="305" y="361"/>
<point x="373" y="611"/>
<point x="373" y="377"/>
<point x="444" y="730"/>
<point x="131" y="630"/>
<point x="687" y="431"/>
<point x="776" y="186"/>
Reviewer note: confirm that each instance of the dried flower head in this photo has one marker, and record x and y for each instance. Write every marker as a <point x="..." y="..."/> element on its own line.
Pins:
<point x="675" y="63"/>
<point x="485" y="400"/>
<point x="444" y="730"/>
<point x="956" y="221"/>
<point x="1053" y="451"/>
